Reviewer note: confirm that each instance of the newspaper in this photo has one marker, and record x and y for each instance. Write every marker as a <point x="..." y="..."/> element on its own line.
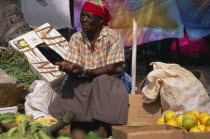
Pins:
<point x="27" y="43"/>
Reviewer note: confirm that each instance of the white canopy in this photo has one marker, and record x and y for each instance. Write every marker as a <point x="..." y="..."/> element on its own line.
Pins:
<point x="54" y="12"/>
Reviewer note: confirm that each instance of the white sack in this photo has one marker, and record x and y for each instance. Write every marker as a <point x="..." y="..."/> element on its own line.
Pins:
<point x="13" y="109"/>
<point x="38" y="100"/>
<point x="179" y="89"/>
<point x="54" y="12"/>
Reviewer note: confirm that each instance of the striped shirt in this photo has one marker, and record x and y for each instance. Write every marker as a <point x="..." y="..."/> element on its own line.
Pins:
<point x="108" y="49"/>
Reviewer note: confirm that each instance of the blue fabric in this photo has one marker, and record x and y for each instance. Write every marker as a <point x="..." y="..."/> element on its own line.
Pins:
<point x="127" y="82"/>
<point x="197" y="33"/>
<point x="195" y="16"/>
<point x="195" y="13"/>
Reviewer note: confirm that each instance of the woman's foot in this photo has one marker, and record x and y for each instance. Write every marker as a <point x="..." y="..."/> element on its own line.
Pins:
<point x="102" y="131"/>
<point x="78" y="134"/>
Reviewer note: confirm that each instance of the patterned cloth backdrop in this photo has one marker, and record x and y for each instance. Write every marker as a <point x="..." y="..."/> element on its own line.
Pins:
<point x="156" y="19"/>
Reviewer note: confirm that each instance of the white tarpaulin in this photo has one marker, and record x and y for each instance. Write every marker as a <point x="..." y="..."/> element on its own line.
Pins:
<point x="55" y="12"/>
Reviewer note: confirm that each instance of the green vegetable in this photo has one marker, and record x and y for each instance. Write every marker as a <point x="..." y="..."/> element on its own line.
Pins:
<point x="15" y="64"/>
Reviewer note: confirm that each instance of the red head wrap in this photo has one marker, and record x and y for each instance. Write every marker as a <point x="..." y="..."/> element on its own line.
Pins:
<point x="98" y="7"/>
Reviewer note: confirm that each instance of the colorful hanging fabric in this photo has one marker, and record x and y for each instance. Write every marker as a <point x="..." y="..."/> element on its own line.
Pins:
<point x="156" y="20"/>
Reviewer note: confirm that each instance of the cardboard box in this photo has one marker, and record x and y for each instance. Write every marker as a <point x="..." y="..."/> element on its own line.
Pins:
<point x="141" y="120"/>
<point x="28" y="44"/>
<point x="197" y="135"/>
<point x="8" y="126"/>
<point x="147" y="132"/>
<point x="140" y="113"/>
<point x="10" y="95"/>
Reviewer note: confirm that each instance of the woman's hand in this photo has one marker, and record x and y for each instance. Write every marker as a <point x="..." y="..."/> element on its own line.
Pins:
<point x="70" y="67"/>
<point x="65" y="66"/>
<point x="78" y="69"/>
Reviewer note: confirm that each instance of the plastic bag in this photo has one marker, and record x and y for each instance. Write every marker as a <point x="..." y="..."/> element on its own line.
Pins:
<point x="180" y="91"/>
<point x="38" y="100"/>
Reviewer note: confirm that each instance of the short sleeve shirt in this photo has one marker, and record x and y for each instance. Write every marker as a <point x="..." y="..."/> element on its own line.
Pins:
<point x="108" y="49"/>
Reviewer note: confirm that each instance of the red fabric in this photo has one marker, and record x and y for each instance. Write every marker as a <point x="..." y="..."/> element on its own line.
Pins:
<point x="188" y="47"/>
<point x="100" y="10"/>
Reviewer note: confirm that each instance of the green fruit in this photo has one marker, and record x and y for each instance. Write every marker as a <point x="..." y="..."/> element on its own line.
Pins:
<point x="16" y="137"/>
<point x="8" y="121"/>
<point x="3" y="134"/>
<point x="63" y="134"/>
<point x="42" y="123"/>
<point x="160" y="123"/>
<point x="36" y="135"/>
<point x="12" y="131"/>
<point x="29" y="136"/>
<point x="6" y="116"/>
<point x="23" y="127"/>
<point x="93" y="135"/>
<point x="33" y="130"/>
<point x="21" y="117"/>
<point x="43" y="135"/>
<point x="188" y="123"/>
<point x="62" y="137"/>
<point x="16" y="114"/>
<point x="36" y="125"/>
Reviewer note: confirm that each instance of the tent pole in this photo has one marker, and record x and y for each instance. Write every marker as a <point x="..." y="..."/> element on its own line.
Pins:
<point x="134" y="51"/>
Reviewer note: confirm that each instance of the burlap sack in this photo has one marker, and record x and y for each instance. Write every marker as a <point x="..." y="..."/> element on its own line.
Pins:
<point x="179" y="89"/>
